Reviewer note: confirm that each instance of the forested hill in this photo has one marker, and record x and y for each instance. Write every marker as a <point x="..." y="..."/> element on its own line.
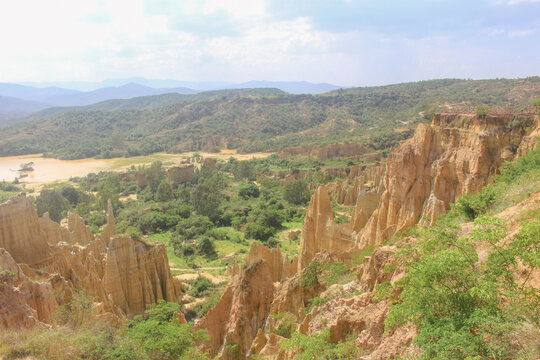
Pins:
<point x="257" y="120"/>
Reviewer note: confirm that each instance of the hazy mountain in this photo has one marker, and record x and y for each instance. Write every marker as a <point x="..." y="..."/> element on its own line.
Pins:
<point x="127" y="91"/>
<point x="34" y="93"/>
<point x="11" y="108"/>
<point x="150" y="102"/>
<point x="156" y="84"/>
<point x="293" y="87"/>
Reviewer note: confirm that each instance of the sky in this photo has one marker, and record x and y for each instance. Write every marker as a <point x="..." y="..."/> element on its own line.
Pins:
<point x="343" y="42"/>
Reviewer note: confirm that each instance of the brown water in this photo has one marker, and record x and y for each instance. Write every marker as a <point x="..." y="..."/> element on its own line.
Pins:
<point x="47" y="170"/>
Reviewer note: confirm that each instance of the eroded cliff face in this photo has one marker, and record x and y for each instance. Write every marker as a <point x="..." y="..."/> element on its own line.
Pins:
<point x="137" y="274"/>
<point x="454" y="155"/>
<point x="243" y="309"/>
<point x="20" y="232"/>
<point x="123" y="275"/>
<point x="325" y="152"/>
<point x="320" y="232"/>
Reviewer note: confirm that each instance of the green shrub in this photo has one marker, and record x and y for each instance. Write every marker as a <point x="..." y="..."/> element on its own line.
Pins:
<point x="319" y="347"/>
<point x="461" y="309"/>
<point x="286" y="325"/>
<point x="157" y="335"/>
<point x="296" y="192"/>
<point x="249" y="190"/>
<point x="310" y="275"/>
<point x="200" y="287"/>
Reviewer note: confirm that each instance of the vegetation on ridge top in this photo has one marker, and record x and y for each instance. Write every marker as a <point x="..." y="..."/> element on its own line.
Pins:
<point x="259" y="121"/>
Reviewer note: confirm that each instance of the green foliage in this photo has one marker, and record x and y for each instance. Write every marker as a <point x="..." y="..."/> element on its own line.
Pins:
<point x="286" y="324"/>
<point x="205" y="246"/>
<point x="51" y="201"/>
<point x="535" y="102"/>
<point x="482" y="110"/>
<point x="334" y="272"/>
<point x="249" y="118"/>
<point x="314" y="302"/>
<point x="310" y="275"/>
<point x="200" y="287"/>
<point x="474" y="205"/>
<point x="296" y="192"/>
<point x="71" y="194"/>
<point x="249" y="190"/>
<point x="154" y="175"/>
<point x="108" y="189"/>
<point x="319" y="347"/>
<point x="455" y="301"/>
<point x="258" y="231"/>
<point x="205" y="199"/>
<point x="164" y="191"/>
<point x="157" y="335"/>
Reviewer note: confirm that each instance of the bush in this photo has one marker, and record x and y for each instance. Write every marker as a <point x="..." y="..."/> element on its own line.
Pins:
<point x="482" y="110"/>
<point x="164" y="191"/>
<point x="460" y="308"/>
<point x="205" y="246"/>
<point x="258" y="231"/>
<point x="319" y="347"/>
<point x="474" y="205"/>
<point x="296" y="192"/>
<point x="310" y="276"/>
<point x="200" y="287"/>
<point x="286" y="325"/>
<point x="249" y="190"/>
<point x="157" y="335"/>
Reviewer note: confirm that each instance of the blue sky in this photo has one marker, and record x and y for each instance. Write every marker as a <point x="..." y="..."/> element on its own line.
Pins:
<point x="345" y="42"/>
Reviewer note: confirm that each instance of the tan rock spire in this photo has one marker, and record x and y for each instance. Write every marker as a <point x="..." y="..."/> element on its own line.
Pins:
<point x="321" y="233"/>
<point x="20" y="233"/>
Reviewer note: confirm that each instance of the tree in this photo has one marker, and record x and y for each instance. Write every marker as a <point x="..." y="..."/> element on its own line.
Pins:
<point x="164" y="191"/>
<point x="52" y="202"/>
<point x="296" y="192"/>
<point x="205" y="246"/>
<point x="154" y="174"/>
<point x="70" y="193"/>
<point x="482" y="110"/>
<point x="157" y="335"/>
<point x="248" y="190"/>
<point x="205" y="199"/>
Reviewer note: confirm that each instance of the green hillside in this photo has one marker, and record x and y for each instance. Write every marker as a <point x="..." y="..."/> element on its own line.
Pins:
<point x="257" y="120"/>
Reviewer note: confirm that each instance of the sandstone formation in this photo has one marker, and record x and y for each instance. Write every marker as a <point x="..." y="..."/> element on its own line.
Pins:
<point x="243" y="309"/>
<point x="137" y="274"/>
<point x="280" y="267"/>
<point x="210" y="163"/>
<point x="20" y="233"/>
<point x="110" y="229"/>
<point x="123" y="275"/>
<point x="456" y="154"/>
<point x="180" y="175"/>
<point x="321" y="234"/>
<point x="326" y="152"/>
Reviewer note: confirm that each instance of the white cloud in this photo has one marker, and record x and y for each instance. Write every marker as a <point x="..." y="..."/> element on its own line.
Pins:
<point x="519" y="33"/>
<point x="517" y="2"/>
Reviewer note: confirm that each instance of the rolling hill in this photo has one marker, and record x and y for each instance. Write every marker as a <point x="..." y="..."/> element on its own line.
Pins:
<point x="258" y="119"/>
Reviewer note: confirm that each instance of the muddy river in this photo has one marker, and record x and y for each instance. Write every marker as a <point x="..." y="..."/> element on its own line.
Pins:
<point x="48" y="170"/>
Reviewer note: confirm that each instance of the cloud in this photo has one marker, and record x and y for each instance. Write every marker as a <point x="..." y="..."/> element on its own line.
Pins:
<point x="519" y="33"/>
<point x="347" y="42"/>
<point x="517" y="2"/>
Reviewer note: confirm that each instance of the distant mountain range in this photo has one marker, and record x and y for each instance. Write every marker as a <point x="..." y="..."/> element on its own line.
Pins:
<point x="293" y="87"/>
<point x="18" y="100"/>
<point x="252" y="120"/>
